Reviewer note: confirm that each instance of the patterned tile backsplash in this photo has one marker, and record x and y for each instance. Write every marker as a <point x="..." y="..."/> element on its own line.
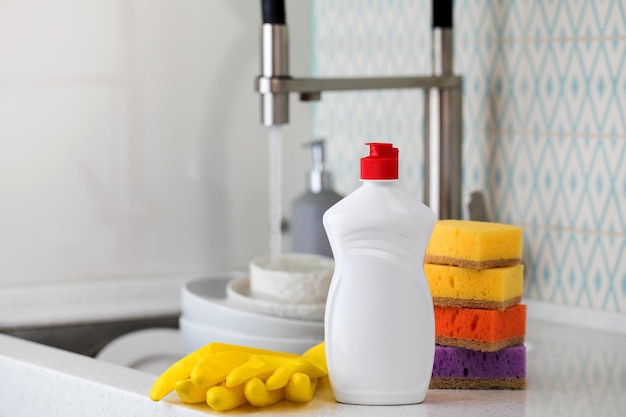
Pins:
<point x="544" y="122"/>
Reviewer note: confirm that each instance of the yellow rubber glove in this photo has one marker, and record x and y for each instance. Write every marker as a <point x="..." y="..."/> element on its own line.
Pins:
<point x="183" y="368"/>
<point x="226" y="376"/>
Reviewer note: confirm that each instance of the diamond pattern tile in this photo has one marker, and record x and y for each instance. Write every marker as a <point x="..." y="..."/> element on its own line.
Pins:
<point x="544" y="122"/>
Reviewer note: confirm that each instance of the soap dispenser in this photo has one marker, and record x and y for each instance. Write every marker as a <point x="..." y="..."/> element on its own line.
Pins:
<point x="308" y="234"/>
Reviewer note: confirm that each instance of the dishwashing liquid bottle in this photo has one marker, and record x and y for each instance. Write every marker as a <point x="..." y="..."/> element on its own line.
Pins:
<point x="379" y="322"/>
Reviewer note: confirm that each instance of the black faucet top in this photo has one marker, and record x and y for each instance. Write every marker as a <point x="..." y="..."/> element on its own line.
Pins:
<point x="273" y="11"/>
<point x="442" y="13"/>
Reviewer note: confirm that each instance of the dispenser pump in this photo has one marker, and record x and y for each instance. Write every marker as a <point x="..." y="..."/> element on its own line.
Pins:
<point x="381" y="164"/>
<point x="318" y="178"/>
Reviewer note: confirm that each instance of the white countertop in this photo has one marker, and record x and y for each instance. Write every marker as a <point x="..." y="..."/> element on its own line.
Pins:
<point x="571" y="372"/>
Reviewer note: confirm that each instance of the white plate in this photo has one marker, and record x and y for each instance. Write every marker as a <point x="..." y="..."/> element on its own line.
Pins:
<point x="195" y="335"/>
<point x="238" y="292"/>
<point x="148" y="350"/>
<point x="203" y="301"/>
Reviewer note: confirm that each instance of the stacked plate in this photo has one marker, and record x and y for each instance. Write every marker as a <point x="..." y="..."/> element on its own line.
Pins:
<point x="219" y="308"/>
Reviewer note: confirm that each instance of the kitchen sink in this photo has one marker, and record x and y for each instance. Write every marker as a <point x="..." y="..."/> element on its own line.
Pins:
<point x="89" y="338"/>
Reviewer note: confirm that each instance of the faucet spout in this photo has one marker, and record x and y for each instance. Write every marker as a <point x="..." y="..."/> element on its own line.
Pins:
<point x="274" y="61"/>
<point x="274" y="66"/>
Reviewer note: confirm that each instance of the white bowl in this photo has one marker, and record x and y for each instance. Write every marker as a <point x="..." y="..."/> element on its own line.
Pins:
<point x="203" y="301"/>
<point x="238" y="292"/>
<point x="295" y="278"/>
<point x="195" y="335"/>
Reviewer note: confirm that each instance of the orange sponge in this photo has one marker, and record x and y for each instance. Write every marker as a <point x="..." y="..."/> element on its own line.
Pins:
<point x="476" y="329"/>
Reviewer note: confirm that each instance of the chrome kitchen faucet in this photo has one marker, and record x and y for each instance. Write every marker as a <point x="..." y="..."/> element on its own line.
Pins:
<point x="445" y="119"/>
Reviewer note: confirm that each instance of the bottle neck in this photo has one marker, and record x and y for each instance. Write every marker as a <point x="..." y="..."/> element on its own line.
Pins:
<point x="379" y="183"/>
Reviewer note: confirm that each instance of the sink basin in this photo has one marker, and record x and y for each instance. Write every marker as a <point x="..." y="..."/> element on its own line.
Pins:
<point x="89" y="338"/>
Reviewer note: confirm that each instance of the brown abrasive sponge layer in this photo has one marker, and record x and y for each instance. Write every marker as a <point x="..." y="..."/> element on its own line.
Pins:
<point x="483" y="383"/>
<point x="466" y="263"/>
<point x="481" y="304"/>
<point x="479" y="344"/>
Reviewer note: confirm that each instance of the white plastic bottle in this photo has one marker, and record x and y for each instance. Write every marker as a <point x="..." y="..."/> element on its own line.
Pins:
<point x="379" y="322"/>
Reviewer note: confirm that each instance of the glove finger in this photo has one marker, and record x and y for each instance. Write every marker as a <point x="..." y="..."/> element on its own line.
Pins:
<point x="189" y="392"/>
<point x="258" y="395"/>
<point x="280" y="377"/>
<point x="223" y="398"/>
<point x="300" y="388"/>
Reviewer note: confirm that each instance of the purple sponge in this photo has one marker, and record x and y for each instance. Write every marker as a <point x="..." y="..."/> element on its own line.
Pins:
<point x="463" y="368"/>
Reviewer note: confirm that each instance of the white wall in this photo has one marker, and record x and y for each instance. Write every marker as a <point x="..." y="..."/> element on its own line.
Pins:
<point x="129" y="137"/>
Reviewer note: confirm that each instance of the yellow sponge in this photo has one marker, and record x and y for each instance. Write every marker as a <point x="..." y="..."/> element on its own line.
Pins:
<point x="494" y="288"/>
<point x="474" y="245"/>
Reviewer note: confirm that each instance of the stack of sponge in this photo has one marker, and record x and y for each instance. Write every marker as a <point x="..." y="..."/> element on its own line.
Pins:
<point x="476" y="279"/>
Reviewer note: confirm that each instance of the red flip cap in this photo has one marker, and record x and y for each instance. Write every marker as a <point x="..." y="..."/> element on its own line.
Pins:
<point x="381" y="164"/>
